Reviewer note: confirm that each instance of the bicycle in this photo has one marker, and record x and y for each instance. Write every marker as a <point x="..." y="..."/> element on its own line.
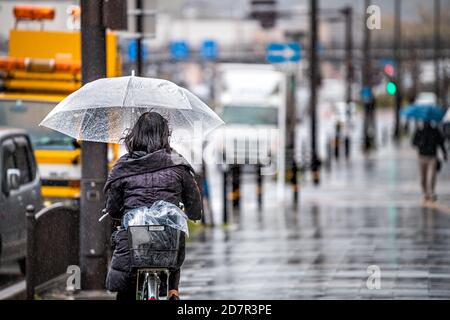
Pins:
<point x="153" y="252"/>
<point x="149" y="290"/>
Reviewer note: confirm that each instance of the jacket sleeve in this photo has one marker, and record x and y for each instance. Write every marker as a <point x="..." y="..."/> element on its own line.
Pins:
<point x="191" y="197"/>
<point x="114" y="200"/>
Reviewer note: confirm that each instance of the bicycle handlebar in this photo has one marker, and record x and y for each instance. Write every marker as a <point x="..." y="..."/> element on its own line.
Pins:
<point x="105" y="214"/>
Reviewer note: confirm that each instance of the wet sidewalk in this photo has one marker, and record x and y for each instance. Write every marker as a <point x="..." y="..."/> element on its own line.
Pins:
<point x="367" y="212"/>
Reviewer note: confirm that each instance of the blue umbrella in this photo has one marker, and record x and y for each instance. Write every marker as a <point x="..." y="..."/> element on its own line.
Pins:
<point x="424" y="112"/>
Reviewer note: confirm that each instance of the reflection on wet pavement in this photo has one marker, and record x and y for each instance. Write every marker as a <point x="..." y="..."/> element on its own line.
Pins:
<point x="9" y="274"/>
<point x="367" y="212"/>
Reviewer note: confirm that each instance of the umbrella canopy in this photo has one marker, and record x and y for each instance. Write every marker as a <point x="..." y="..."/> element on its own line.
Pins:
<point x="447" y="116"/>
<point x="424" y="112"/>
<point x="103" y="110"/>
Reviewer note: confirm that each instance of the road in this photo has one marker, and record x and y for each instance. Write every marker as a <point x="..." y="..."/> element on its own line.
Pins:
<point x="367" y="212"/>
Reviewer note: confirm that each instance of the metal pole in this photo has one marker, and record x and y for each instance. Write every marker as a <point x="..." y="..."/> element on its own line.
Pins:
<point x="398" y="70"/>
<point x="93" y="155"/>
<point x="235" y="186"/>
<point x="348" y="12"/>
<point x="437" y="48"/>
<point x="367" y="85"/>
<point x="31" y="254"/>
<point x="259" y="186"/>
<point x="313" y="69"/>
<point x="139" y="30"/>
<point x="225" y="196"/>
<point x="291" y="122"/>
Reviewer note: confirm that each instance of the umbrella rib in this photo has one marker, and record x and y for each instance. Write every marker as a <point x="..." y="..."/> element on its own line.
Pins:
<point x="126" y="91"/>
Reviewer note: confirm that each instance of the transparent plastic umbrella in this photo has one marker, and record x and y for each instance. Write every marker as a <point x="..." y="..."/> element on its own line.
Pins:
<point x="103" y="110"/>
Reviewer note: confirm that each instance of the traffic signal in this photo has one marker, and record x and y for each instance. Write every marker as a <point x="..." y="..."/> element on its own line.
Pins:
<point x="389" y="70"/>
<point x="265" y="12"/>
<point x="391" y="85"/>
<point x="391" y="88"/>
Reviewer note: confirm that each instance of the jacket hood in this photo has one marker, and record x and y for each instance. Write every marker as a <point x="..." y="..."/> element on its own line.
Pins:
<point x="142" y="162"/>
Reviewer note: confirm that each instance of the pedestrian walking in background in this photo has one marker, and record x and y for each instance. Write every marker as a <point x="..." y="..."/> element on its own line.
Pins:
<point x="427" y="140"/>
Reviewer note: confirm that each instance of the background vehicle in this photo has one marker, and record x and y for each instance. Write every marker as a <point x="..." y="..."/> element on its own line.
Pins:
<point x="249" y="100"/>
<point x="20" y="186"/>
<point x="37" y="77"/>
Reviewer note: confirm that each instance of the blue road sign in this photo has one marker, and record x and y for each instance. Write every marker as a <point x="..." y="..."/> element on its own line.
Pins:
<point x="277" y="52"/>
<point x="384" y="62"/>
<point x="179" y="50"/>
<point x="366" y="94"/>
<point x="209" y="50"/>
<point x="132" y="51"/>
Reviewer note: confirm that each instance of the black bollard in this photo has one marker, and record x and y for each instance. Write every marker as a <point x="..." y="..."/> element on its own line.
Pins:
<point x="347" y="147"/>
<point x="225" y="195"/>
<point x="259" y="186"/>
<point x="294" y="182"/>
<point x="337" y="140"/>
<point x="235" y="185"/>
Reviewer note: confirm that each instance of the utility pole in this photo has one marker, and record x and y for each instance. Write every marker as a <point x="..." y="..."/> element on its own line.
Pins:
<point x="139" y="30"/>
<point x="348" y="13"/>
<point x="291" y="121"/>
<point x="369" y="100"/>
<point x="437" y="48"/>
<point x="398" y="66"/>
<point x="313" y="82"/>
<point x="93" y="155"/>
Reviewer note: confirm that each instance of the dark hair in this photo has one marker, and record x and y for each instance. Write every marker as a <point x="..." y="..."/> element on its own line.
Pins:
<point x="149" y="134"/>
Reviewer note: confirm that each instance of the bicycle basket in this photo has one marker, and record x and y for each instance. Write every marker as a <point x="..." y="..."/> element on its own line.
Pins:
<point x="153" y="246"/>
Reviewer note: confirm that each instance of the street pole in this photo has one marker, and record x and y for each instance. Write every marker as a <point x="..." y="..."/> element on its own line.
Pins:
<point x="398" y="67"/>
<point x="437" y="48"/>
<point x="313" y="74"/>
<point x="139" y="30"/>
<point x="369" y="100"/>
<point x="93" y="155"/>
<point x="348" y="12"/>
<point x="291" y="121"/>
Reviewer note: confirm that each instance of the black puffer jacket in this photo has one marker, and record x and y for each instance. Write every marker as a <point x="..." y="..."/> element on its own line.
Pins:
<point x="139" y="180"/>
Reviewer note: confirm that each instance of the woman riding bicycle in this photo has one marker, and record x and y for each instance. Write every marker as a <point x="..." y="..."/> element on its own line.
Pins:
<point x="149" y="172"/>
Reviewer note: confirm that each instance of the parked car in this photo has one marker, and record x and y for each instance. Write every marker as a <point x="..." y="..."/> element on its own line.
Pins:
<point x="20" y="186"/>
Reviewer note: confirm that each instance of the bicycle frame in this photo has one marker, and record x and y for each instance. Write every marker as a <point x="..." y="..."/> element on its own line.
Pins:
<point x="149" y="289"/>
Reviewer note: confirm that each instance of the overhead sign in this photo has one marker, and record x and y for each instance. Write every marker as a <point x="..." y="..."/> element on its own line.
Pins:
<point x="277" y="52"/>
<point x="366" y="94"/>
<point x="132" y="51"/>
<point x="179" y="50"/>
<point x="209" y="50"/>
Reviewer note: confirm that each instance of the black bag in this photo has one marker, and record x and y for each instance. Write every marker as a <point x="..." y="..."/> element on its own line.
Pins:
<point x="438" y="165"/>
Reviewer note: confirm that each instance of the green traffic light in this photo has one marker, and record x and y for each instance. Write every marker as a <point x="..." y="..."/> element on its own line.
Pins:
<point x="391" y="88"/>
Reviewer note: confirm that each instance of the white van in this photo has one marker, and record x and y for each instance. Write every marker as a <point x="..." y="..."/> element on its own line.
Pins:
<point x="250" y="99"/>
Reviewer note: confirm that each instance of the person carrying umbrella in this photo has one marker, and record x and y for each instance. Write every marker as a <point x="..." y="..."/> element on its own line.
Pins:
<point x="145" y="114"/>
<point x="427" y="140"/>
<point x="149" y="172"/>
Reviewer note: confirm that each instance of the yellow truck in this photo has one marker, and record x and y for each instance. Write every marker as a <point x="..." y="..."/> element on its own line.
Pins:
<point x="41" y="69"/>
